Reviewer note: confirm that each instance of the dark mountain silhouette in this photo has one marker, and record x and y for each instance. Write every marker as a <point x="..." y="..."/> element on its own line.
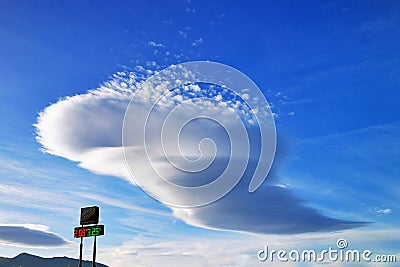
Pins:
<point x="28" y="260"/>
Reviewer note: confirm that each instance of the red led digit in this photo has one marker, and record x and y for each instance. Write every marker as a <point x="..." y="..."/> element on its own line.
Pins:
<point x="82" y="232"/>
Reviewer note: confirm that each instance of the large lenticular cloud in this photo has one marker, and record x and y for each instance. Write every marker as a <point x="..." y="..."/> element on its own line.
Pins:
<point x="88" y="129"/>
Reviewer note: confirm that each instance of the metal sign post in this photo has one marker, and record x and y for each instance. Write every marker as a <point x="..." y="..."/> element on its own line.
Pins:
<point x="94" y="252"/>
<point x="89" y="216"/>
<point x="80" y="253"/>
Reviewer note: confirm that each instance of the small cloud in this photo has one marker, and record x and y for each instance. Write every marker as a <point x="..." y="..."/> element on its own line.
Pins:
<point x="139" y="68"/>
<point x="151" y="43"/>
<point x="151" y="63"/>
<point x="183" y="34"/>
<point x="197" y="41"/>
<point x="291" y="113"/>
<point x="384" y="211"/>
<point x="245" y="96"/>
<point x="282" y="185"/>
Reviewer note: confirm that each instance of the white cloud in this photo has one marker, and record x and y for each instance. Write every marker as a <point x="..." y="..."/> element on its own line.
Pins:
<point x="183" y="34"/>
<point x="29" y="235"/>
<point x="87" y="129"/>
<point x="239" y="249"/>
<point x="197" y="41"/>
<point x="384" y="211"/>
<point x="140" y="68"/>
<point x="191" y="251"/>
<point x="152" y="43"/>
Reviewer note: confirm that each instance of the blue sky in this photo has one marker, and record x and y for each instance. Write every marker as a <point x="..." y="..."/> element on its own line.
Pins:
<point x="329" y="70"/>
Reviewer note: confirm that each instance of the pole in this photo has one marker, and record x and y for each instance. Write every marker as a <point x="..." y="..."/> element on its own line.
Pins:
<point x="94" y="252"/>
<point x="80" y="253"/>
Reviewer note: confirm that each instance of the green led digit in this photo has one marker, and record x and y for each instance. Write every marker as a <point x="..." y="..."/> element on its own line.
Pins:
<point x="96" y="231"/>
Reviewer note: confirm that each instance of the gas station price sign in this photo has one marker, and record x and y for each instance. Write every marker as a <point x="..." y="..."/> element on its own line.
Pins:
<point x="88" y="231"/>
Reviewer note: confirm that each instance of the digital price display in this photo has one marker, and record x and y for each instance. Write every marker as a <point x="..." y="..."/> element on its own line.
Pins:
<point x="88" y="231"/>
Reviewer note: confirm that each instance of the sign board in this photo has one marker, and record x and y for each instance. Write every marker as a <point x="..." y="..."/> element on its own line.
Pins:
<point x="88" y="231"/>
<point x="90" y="215"/>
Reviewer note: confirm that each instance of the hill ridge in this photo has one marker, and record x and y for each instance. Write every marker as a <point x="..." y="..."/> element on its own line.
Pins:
<point x="28" y="260"/>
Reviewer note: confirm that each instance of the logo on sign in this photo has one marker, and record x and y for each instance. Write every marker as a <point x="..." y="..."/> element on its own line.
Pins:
<point x="90" y="215"/>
